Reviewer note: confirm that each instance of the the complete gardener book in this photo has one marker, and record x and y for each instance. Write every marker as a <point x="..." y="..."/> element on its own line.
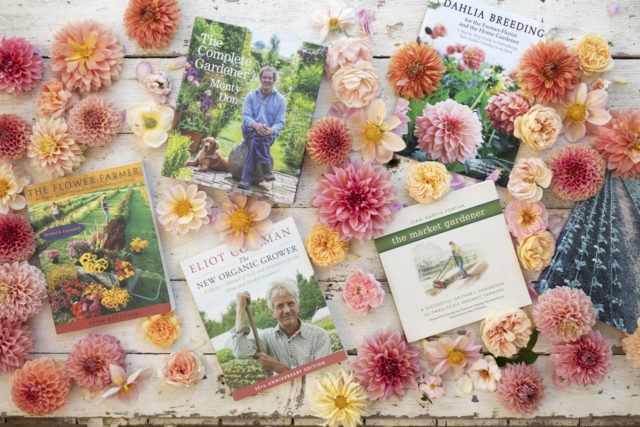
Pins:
<point x="98" y="248"/>
<point x="245" y="105"/>
<point x="451" y="262"/>
<point x="263" y="311"/>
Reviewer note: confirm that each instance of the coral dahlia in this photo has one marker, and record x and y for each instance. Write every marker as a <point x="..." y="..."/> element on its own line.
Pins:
<point x="564" y="313"/>
<point x="329" y="141"/>
<point x="20" y="66"/>
<point x="415" y="69"/>
<point x="502" y="110"/>
<point x="584" y="361"/>
<point x="87" y="55"/>
<point x="547" y="70"/>
<point x="52" y="148"/>
<point x="22" y="289"/>
<point x="152" y="23"/>
<point x="17" y="239"/>
<point x="89" y="360"/>
<point x="94" y="121"/>
<point x="355" y="200"/>
<point x="15" y="134"/>
<point x="53" y="98"/>
<point x="15" y="345"/>
<point x="449" y="131"/>
<point x="578" y="172"/>
<point x="473" y="57"/>
<point x="619" y="143"/>
<point x="520" y="389"/>
<point x="40" y="387"/>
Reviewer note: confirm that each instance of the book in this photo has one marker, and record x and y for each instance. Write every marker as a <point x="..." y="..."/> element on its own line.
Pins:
<point x="451" y="262"/>
<point x="245" y="105"/>
<point x="284" y="298"/>
<point x="596" y="252"/>
<point x="480" y="46"/>
<point x="99" y="248"/>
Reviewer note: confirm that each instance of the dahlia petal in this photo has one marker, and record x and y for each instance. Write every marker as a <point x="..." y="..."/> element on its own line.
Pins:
<point x="597" y="98"/>
<point x="155" y="137"/>
<point x="130" y="397"/>
<point x="252" y="239"/>
<point x="259" y="210"/>
<point x="376" y="111"/>
<point x="575" y="132"/>
<point x="369" y="151"/>
<point x="240" y="200"/>
<point x="391" y="123"/>
<point x="382" y="154"/>
<point x="580" y="94"/>
<point x="118" y="374"/>
<point x="392" y="142"/>
<point x="237" y="240"/>
<point x="598" y="116"/>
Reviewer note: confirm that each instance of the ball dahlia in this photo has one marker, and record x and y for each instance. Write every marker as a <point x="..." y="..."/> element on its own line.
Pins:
<point x="15" y="134"/>
<point x="94" y="121"/>
<point x="89" y="360"/>
<point x="415" y="69"/>
<point x="40" y="387"/>
<point x="584" y="361"/>
<point x="87" y="55"/>
<point x="53" y="99"/>
<point x="17" y="239"/>
<point x="355" y="200"/>
<point x="449" y="131"/>
<point x="22" y="289"/>
<point x="329" y="141"/>
<point x="619" y="143"/>
<point x="473" y="57"/>
<point x="564" y="313"/>
<point x="52" y="148"/>
<point x="20" y="66"/>
<point x="15" y="345"/>
<point x="502" y="110"/>
<point x="578" y="172"/>
<point x="520" y="389"/>
<point x="152" y="23"/>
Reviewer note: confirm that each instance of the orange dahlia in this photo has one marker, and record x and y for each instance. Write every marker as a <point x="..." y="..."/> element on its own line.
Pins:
<point x="547" y="70"/>
<point x="619" y="143"/>
<point x="415" y="69"/>
<point x="152" y="23"/>
<point x="87" y="55"/>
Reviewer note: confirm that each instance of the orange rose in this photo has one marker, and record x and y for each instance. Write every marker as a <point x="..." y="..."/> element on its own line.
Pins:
<point x="594" y="53"/>
<point x="162" y="329"/>
<point x="323" y="246"/>
<point x="535" y="251"/>
<point x="181" y="369"/>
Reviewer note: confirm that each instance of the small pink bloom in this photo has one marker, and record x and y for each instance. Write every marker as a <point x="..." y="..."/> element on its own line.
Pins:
<point x="362" y="291"/>
<point x="612" y="9"/>
<point x="452" y="357"/>
<point x="580" y="107"/>
<point x="431" y="385"/>
<point x="438" y="30"/>
<point x="126" y="388"/>
<point x="366" y="18"/>
<point x="520" y="389"/>
<point x="402" y="108"/>
<point x="473" y="57"/>
<point x="181" y="369"/>
<point x="526" y="218"/>
<point x="242" y="220"/>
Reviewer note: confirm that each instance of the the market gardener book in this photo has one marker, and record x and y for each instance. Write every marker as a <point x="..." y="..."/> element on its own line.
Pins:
<point x="283" y="307"/>
<point x="98" y="248"/>
<point x="246" y="102"/>
<point x="451" y="262"/>
<point x="480" y="47"/>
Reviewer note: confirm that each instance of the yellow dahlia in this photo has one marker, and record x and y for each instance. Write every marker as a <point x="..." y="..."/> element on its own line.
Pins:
<point x="183" y="209"/>
<point x="12" y="181"/>
<point x="242" y="220"/>
<point x="52" y="149"/>
<point x="339" y="399"/>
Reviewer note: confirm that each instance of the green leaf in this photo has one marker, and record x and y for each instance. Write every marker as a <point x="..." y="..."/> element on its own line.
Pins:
<point x="532" y="340"/>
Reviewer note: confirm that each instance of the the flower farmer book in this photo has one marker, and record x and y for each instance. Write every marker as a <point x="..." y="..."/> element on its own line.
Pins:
<point x="458" y="123"/>
<point x="246" y="101"/>
<point x="98" y="248"/>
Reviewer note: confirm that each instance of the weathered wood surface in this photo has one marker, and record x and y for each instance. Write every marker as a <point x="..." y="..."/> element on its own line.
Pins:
<point x="210" y="402"/>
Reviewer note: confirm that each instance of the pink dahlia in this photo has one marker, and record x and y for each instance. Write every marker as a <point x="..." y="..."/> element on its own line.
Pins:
<point x="584" y="361"/>
<point x="53" y="99"/>
<point x="473" y="57"/>
<point x="15" y="134"/>
<point x="94" y="121"/>
<point x="362" y="291"/>
<point x="387" y="365"/>
<point x="329" y="141"/>
<point x="526" y="218"/>
<point x="20" y="66"/>
<point x="52" y="148"/>
<point x="355" y="200"/>
<point x="578" y="172"/>
<point x="40" y="387"/>
<point x="22" y="289"/>
<point x="17" y="239"/>
<point x="15" y="345"/>
<point x="89" y="360"/>
<point x="87" y="55"/>
<point x="452" y="357"/>
<point x="619" y="143"/>
<point x="502" y="110"/>
<point x="564" y="313"/>
<point x="449" y="131"/>
<point x="580" y="107"/>
<point x="520" y="389"/>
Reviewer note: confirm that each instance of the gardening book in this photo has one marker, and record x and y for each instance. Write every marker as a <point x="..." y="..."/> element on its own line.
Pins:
<point x="98" y="248"/>
<point x="480" y="47"/>
<point x="451" y="262"/>
<point x="285" y="329"/>
<point x="245" y="105"/>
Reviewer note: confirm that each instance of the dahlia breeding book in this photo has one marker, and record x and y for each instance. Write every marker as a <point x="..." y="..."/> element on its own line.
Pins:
<point x="98" y="248"/>
<point x="451" y="262"/>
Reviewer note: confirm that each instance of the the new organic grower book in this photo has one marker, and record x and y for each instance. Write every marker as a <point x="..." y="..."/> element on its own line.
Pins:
<point x="98" y="248"/>
<point x="263" y="311"/>
<point x="246" y="101"/>
<point x="451" y="262"/>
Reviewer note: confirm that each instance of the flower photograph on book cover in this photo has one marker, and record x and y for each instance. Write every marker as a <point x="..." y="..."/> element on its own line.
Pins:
<point x="246" y="102"/>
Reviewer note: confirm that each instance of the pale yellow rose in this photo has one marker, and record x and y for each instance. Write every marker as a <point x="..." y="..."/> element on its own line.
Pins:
<point x="539" y="128"/>
<point x="594" y="53"/>
<point x="324" y="247"/>
<point x="505" y="332"/>
<point x="356" y="85"/>
<point x="535" y="251"/>
<point x="428" y="181"/>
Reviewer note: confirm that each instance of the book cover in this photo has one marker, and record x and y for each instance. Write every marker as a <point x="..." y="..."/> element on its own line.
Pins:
<point x="451" y="262"/>
<point x="246" y="102"/>
<point x="596" y="251"/>
<point x="480" y="47"/>
<point x="98" y="247"/>
<point x="271" y="294"/>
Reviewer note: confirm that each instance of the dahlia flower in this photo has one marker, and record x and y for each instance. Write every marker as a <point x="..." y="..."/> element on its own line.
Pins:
<point x="520" y="389"/>
<point x="356" y="85"/>
<point x="505" y="332"/>
<point x="431" y="387"/>
<point x="438" y="30"/>
<point x="452" y="357"/>
<point x="40" y="387"/>
<point x="12" y="182"/>
<point x="355" y="200"/>
<point x="162" y="329"/>
<point x="539" y="127"/>
<point x="503" y="109"/>
<point x="333" y="17"/>
<point x="339" y="400"/>
<point x="578" y="172"/>
<point x="415" y="70"/>
<point x="584" y="361"/>
<point x="564" y="313"/>
<point x="329" y="141"/>
<point x="526" y="218"/>
<point x="17" y="239"/>
<point x="53" y="99"/>
<point x="547" y="70"/>
<point x="53" y="149"/>
<point x="535" y="251"/>
<point x="485" y="374"/>
<point x="372" y="133"/>
<point x="362" y="291"/>
<point x="347" y="51"/>
<point x="87" y="55"/>
<point x="527" y="179"/>
<point x="15" y="134"/>
<point x="243" y="220"/>
<point x="150" y="122"/>
<point x="126" y="388"/>
<point x="324" y="247"/>
<point x="184" y="209"/>
<point x="94" y="121"/>
<point x="22" y="289"/>
<point x="341" y="111"/>
<point x="473" y="57"/>
<point x="152" y="23"/>
<point x="181" y="369"/>
<point x="594" y="54"/>
<point x="158" y="83"/>
<point x="449" y="131"/>
<point x="387" y="365"/>
<point x="15" y="345"/>
<point x="580" y="107"/>
<point x="618" y="142"/>
<point x="89" y="360"/>
<point x="630" y="345"/>
<point x="20" y="66"/>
